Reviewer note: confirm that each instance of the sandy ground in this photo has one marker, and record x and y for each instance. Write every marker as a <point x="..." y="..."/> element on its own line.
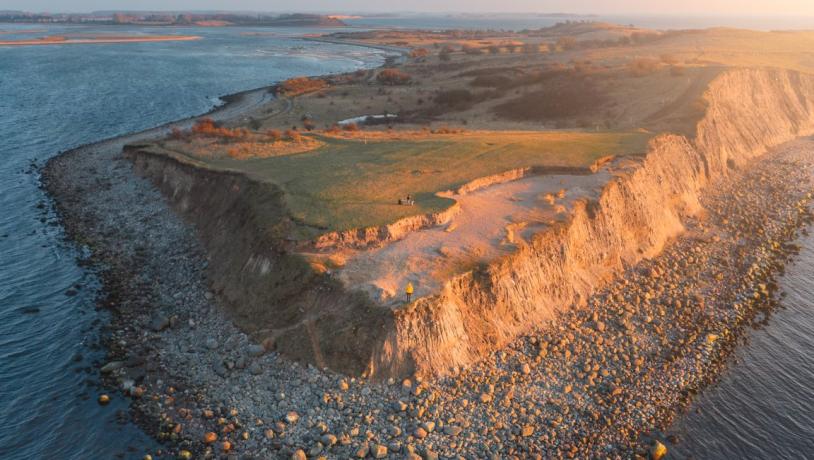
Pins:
<point x="492" y="222"/>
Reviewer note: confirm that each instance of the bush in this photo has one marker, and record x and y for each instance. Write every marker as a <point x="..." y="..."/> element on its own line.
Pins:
<point x="668" y="59"/>
<point x="567" y="43"/>
<point x="293" y="135"/>
<point x="393" y="77"/>
<point x="207" y="127"/>
<point x="642" y="66"/>
<point x="677" y="70"/>
<point x="274" y="135"/>
<point x="302" y="85"/>
<point x="350" y="127"/>
<point x="419" y="53"/>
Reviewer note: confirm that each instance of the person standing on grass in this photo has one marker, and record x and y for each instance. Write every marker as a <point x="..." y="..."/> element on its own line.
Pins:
<point x="409" y="290"/>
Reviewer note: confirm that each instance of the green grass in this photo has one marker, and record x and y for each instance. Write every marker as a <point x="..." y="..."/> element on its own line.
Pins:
<point x="349" y="184"/>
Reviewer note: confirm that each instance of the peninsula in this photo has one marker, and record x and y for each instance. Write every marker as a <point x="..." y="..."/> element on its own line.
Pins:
<point x="588" y="216"/>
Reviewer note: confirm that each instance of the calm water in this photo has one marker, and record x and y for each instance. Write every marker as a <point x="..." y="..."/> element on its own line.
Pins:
<point x="56" y="97"/>
<point x="763" y="405"/>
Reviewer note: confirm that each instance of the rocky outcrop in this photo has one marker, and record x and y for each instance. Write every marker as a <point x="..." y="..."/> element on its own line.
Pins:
<point x="638" y="212"/>
<point x="369" y="237"/>
<point x="274" y="294"/>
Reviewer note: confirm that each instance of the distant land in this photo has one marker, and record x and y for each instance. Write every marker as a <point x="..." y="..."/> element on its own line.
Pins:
<point x="213" y="19"/>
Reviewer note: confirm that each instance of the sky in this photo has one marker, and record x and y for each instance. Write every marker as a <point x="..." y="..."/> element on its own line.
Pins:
<point x="682" y="7"/>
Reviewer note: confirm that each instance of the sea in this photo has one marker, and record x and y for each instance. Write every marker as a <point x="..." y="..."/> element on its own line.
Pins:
<point x="53" y="98"/>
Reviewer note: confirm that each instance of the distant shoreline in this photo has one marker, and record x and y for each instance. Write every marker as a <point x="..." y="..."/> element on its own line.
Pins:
<point x="100" y="40"/>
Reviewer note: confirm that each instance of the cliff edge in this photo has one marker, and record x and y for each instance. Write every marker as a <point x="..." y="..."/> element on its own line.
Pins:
<point x="272" y="292"/>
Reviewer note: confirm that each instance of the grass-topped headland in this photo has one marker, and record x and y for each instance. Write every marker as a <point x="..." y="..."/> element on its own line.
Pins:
<point x="349" y="182"/>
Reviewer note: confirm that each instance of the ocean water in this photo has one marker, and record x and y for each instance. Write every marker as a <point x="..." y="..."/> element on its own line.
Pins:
<point x="762" y="407"/>
<point x="53" y="98"/>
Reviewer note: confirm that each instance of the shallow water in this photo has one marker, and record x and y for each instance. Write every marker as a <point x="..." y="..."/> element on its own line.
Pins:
<point x="763" y="405"/>
<point x="56" y="97"/>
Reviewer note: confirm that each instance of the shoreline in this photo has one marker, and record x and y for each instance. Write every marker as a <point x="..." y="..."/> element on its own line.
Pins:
<point x="142" y="328"/>
<point x="169" y="354"/>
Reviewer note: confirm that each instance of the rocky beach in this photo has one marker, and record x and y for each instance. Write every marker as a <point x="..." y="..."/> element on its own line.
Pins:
<point x="603" y="380"/>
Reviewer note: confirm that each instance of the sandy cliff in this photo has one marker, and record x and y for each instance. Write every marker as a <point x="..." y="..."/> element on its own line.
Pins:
<point x="274" y="294"/>
<point x="637" y="213"/>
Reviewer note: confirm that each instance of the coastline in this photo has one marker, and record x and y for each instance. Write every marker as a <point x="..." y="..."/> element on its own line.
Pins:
<point x="160" y="344"/>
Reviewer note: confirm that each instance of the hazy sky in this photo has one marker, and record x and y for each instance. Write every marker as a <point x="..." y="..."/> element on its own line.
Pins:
<point x="688" y="7"/>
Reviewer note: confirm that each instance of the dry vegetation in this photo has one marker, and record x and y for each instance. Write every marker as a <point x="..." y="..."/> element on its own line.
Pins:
<point x="460" y="98"/>
<point x="301" y="85"/>
<point x="208" y="139"/>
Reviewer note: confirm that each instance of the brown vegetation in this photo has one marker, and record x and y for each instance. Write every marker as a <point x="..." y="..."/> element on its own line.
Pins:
<point x="393" y="77"/>
<point x="302" y="85"/>
<point x="642" y="66"/>
<point x="208" y="128"/>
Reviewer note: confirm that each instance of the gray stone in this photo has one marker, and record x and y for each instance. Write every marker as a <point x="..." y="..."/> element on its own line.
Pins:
<point x="112" y="366"/>
<point x="160" y="323"/>
<point x="255" y="350"/>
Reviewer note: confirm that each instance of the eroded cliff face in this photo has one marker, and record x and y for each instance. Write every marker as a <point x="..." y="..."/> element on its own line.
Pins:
<point x="270" y="292"/>
<point x="273" y="293"/>
<point x="638" y="212"/>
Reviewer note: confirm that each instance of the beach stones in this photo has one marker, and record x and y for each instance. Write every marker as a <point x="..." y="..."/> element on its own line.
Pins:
<point x="657" y="450"/>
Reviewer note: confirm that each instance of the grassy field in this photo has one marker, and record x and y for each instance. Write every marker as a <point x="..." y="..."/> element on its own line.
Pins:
<point x="350" y="183"/>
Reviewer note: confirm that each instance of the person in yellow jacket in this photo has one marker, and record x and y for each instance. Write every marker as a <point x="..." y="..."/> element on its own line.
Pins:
<point x="409" y="290"/>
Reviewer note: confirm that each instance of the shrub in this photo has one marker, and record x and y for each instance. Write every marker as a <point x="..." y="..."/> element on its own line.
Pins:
<point x="207" y="127"/>
<point x="677" y="70"/>
<point x="642" y="66"/>
<point x="668" y="59"/>
<point x="293" y="135"/>
<point x="567" y="43"/>
<point x="308" y="124"/>
<point x="350" y="127"/>
<point x="393" y="77"/>
<point x="302" y="85"/>
<point x="274" y="135"/>
<point x="419" y="53"/>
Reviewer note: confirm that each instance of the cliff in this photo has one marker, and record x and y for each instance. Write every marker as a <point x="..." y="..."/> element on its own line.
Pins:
<point x="273" y="294"/>
<point x="637" y="213"/>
